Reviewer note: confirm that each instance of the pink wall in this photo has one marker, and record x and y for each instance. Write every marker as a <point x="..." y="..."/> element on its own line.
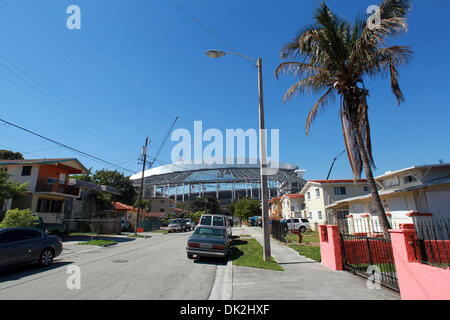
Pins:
<point x="417" y="281"/>
<point x="330" y="247"/>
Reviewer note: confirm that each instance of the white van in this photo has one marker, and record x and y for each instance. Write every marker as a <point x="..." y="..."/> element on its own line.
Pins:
<point x="217" y="220"/>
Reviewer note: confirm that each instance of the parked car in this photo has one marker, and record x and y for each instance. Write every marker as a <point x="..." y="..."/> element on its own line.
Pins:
<point x="125" y="225"/>
<point x="217" y="220"/>
<point x="300" y="225"/>
<point x="176" y="225"/>
<point x="209" y="241"/>
<point x="190" y="224"/>
<point x="28" y="245"/>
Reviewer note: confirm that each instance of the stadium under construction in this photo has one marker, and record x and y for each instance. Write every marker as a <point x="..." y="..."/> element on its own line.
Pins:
<point x="226" y="182"/>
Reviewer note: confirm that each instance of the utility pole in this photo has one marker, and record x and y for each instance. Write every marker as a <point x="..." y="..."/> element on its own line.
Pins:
<point x="144" y="153"/>
<point x="263" y="168"/>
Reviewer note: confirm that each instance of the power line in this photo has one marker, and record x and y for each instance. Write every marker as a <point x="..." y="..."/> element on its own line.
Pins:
<point x="65" y="146"/>
<point x="64" y="60"/>
<point x="52" y="96"/>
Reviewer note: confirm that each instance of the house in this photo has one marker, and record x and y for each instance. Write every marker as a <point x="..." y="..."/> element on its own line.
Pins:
<point x="163" y="205"/>
<point x="275" y="209"/>
<point x="419" y="192"/>
<point x="128" y="212"/>
<point x="321" y="193"/>
<point x="49" y="188"/>
<point x="292" y="205"/>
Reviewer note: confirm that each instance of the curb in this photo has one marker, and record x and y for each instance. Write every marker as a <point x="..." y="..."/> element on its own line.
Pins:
<point x="222" y="288"/>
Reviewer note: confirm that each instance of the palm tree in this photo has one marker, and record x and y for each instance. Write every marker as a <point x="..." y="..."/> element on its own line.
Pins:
<point x="333" y="57"/>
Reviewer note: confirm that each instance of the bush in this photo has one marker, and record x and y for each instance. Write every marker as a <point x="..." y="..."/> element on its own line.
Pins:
<point x="19" y="218"/>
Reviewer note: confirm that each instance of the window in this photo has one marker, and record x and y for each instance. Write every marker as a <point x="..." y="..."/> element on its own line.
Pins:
<point x="46" y="205"/>
<point x="308" y="195"/>
<point x="303" y="206"/>
<point x="162" y="210"/>
<point x="409" y="179"/>
<point x="162" y="201"/>
<point x="366" y="189"/>
<point x="56" y="206"/>
<point x="319" y="214"/>
<point x="206" y="220"/>
<point x="338" y="191"/>
<point x="218" y="222"/>
<point x="317" y="193"/>
<point x="26" y="171"/>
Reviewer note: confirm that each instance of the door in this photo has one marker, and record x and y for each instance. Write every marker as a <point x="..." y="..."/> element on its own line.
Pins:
<point x="26" y="245"/>
<point x="5" y="250"/>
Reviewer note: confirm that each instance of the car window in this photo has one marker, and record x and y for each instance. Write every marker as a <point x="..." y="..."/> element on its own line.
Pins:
<point x="19" y="235"/>
<point x="305" y="220"/>
<point x="296" y="220"/>
<point x="206" y="220"/>
<point x="218" y="222"/>
<point x="209" y="232"/>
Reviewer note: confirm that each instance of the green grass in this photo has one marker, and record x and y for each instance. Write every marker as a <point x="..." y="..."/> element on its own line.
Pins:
<point x="249" y="253"/>
<point x="308" y="237"/>
<point x="96" y="243"/>
<point x="160" y="231"/>
<point x="135" y="236"/>
<point x="311" y="252"/>
<point x="90" y="234"/>
<point x="243" y="236"/>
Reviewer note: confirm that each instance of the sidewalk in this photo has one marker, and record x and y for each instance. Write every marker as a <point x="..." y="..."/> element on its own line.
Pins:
<point x="303" y="278"/>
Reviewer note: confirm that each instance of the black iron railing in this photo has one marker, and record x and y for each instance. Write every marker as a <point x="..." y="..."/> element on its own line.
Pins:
<point x="279" y="230"/>
<point x="362" y="227"/>
<point x="432" y="242"/>
<point x="371" y="258"/>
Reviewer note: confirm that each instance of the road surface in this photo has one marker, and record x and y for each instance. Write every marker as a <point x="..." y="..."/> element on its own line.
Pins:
<point x="152" y="268"/>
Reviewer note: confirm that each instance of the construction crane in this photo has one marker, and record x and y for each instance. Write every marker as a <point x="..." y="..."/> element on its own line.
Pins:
<point x="150" y="164"/>
<point x="332" y="164"/>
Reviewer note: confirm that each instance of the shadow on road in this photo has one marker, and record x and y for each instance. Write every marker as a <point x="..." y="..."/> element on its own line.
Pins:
<point x="211" y="261"/>
<point x="19" y="272"/>
<point x="89" y="238"/>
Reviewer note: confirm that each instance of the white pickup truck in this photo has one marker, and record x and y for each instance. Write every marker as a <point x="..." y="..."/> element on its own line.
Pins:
<point x="298" y="224"/>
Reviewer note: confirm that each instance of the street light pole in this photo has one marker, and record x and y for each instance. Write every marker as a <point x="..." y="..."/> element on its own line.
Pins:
<point x="262" y="150"/>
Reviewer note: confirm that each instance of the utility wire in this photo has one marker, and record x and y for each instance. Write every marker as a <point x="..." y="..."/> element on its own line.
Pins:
<point x="65" y="146"/>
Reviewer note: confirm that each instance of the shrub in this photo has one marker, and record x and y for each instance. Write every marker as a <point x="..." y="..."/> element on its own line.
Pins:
<point x="19" y="218"/>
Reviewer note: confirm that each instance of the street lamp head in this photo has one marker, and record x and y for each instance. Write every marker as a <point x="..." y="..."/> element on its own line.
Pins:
<point x="215" y="53"/>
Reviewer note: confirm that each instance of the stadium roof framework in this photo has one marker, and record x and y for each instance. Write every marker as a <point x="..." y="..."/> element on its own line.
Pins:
<point x="183" y="181"/>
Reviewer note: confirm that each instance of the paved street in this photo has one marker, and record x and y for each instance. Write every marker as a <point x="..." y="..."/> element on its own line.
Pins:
<point x="153" y="268"/>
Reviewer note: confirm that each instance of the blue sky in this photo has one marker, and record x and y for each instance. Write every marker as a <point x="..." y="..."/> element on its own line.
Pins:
<point x="136" y="65"/>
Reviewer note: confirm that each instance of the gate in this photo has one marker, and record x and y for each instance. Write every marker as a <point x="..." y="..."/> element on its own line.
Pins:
<point x="370" y="257"/>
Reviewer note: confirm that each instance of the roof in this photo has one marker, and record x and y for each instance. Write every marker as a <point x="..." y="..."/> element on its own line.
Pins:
<point x="121" y="206"/>
<point x="95" y="187"/>
<point x="71" y="162"/>
<point x="339" y="181"/>
<point x="275" y="199"/>
<point x="391" y="173"/>
<point x="294" y="196"/>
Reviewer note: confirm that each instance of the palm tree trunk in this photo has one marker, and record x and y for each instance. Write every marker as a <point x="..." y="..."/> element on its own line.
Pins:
<point x="385" y="225"/>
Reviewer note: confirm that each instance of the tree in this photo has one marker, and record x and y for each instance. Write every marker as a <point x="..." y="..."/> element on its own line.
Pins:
<point x="334" y="57"/>
<point x="10" y="189"/>
<point x="245" y="208"/>
<point x="10" y="155"/>
<point x="207" y="203"/>
<point x="19" y="219"/>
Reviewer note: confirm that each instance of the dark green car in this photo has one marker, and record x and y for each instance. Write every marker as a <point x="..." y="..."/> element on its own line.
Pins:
<point x="209" y="242"/>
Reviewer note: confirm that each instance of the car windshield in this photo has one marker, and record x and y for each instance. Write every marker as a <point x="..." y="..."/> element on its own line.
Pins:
<point x="175" y="221"/>
<point x="188" y="220"/>
<point x="209" y="232"/>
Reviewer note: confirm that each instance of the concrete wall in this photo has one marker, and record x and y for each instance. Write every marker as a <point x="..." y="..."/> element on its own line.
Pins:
<point x="417" y="281"/>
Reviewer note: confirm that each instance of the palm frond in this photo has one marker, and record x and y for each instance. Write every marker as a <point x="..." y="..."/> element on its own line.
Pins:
<point x="320" y="104"/>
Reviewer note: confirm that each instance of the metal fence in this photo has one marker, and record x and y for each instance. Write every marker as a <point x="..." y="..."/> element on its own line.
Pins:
<point x="432" y="244"/>
<point x="362" y="227"/>
<point x="370" y="257"/>
<point x="279" y="230"/>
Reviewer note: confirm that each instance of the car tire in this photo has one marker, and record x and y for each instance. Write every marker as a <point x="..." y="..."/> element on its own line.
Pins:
<point x="190" y="256"/>
<point x="46" y="257"/>
<point x="302" y="229"/>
